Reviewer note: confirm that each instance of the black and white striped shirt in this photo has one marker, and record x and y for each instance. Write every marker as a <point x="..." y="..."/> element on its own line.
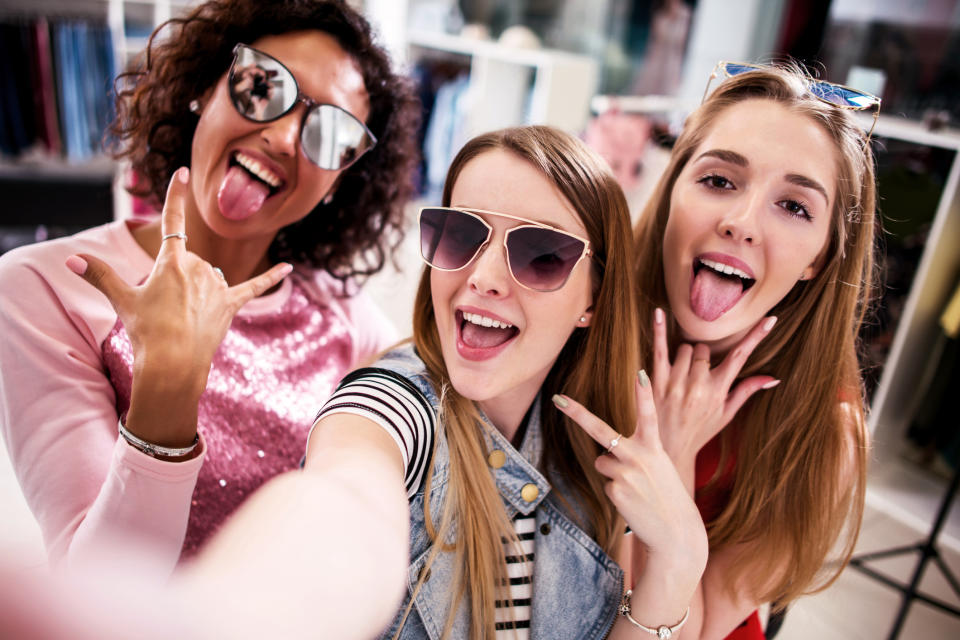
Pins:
<point x="391" y="401"/>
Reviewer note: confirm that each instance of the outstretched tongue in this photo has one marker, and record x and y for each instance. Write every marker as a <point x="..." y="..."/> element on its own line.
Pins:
<point x="240" y="195"/>
<point x="477" y="337"/>
<point x="712" y="295"/>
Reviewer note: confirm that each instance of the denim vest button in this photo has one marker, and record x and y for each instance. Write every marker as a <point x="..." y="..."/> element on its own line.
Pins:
<point x="529" y="492"/>
<point x="545" y="528"/>
<point x="497" y="458"/>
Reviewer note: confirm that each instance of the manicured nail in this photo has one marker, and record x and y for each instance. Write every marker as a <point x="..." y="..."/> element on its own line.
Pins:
<point x="183" y="174"/>
<point x="642" y="377"/>
<point x="560" y="401"/>
<point x="77" y="264"/>
<point x="287" y="268"/>
<point x="771" y="384"/>
<point x="769" y="322"/>
<point x="658" y="315"/>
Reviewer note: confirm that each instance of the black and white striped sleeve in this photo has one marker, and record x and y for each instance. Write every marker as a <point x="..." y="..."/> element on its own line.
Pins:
<point x="393" y="402"/>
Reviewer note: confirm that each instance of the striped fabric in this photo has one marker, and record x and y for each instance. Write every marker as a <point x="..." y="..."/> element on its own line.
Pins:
<point x="515" y="624"/>
<point x="396" y="405"/>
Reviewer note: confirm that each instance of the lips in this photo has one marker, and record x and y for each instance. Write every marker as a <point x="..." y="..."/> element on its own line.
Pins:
<point x="481" y="335"/>
<point x="719" y="282"/>
<point x="246" y="185"/>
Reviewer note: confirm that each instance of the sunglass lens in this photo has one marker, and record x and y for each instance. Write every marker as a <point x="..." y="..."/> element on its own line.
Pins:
<point x="450" y="239"/>
<point x="332" y="138"/>
<point x="735" y="69"/>
<point x="260" y="87"/>
<point x="842" y="96"/>
<point x="542" y="259"/>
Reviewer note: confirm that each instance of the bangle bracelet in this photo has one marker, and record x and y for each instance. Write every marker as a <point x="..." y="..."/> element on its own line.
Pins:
<point x="156" y="450"/>
<point x="663" y="631"/>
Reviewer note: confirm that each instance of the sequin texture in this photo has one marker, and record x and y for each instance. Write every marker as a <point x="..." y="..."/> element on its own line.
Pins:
<point x="269" y="377"/>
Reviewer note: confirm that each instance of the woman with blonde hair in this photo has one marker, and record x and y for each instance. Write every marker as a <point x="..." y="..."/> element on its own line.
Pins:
<point x="758" y="244"/>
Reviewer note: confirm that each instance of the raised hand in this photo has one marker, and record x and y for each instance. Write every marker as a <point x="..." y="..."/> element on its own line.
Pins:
<point x="694" y="401"/>
<point x="643" y="483"/>
<point x="176" y="320"/>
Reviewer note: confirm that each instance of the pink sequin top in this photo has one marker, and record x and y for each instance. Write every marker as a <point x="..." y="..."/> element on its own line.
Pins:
<point x="65" y="374"/>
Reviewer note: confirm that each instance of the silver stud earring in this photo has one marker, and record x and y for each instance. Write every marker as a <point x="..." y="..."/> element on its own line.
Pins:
<point x="583" y="319"/>
<point x="327" y="199"/>
<point x="195" y="106"/>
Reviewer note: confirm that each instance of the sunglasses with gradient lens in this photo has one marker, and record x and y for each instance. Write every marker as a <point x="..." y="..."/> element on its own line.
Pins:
<point x="835" y="94"/>
<point x="539" y="257"/>
<point x="263" y="90"/>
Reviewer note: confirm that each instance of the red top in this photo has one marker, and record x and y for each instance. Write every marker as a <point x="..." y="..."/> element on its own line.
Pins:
<point x="711" y="503"/>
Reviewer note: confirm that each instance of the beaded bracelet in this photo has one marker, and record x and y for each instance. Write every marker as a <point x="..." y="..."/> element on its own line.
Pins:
<point x="156" y="450"/>
<point x="663" y="631"/>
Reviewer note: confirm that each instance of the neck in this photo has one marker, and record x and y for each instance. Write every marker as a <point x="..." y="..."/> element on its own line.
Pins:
<point x="507" y="411"/>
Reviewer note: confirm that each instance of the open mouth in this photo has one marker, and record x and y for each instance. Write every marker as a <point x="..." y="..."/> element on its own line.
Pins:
<point x="246" y="186"/>
<point x="481" y="336"/>
<point x="716" y="287"/>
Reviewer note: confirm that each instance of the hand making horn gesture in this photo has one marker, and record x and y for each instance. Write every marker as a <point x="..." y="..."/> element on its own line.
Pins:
<point x="176" y="320"/>
<point x="694" y="400"/>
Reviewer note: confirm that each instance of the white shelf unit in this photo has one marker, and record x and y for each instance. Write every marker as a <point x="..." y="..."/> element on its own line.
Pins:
<point x="895" y="486"/>
<point x="501" y="77"/>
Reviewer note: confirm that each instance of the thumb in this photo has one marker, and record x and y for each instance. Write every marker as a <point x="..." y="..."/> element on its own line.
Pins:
<point x="102" y="276"/>
<point x="742" y="392"/>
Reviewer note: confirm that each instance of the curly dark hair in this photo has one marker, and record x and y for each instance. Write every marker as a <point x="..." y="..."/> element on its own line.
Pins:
<point x="352" y="235"/>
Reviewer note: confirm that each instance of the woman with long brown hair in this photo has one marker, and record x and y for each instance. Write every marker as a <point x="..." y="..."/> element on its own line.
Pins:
<point x="756" y="252"/>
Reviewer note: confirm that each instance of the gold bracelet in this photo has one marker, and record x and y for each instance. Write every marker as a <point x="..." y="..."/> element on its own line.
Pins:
<point x="663" y="631"/>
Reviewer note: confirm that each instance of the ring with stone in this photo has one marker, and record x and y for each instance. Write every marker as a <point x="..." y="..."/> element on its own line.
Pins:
<point x="614" y="443"/>
<point x="219" y="272"/>
<point x="179" y="234"/>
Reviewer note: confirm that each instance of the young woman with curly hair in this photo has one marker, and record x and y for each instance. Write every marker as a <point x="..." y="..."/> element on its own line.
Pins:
<point x="755" y="268"/>
<point x="203" y="341"/>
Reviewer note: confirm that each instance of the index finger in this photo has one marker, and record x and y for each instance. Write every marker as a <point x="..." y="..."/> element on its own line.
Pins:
<point x="172" y="217"/>
<point x="661" y="353"/>
<point x="602" y="433"/>
<point x="733" y="363"/>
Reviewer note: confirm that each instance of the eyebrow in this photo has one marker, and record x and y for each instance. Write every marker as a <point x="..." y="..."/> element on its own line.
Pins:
<point x="740" y="160"/>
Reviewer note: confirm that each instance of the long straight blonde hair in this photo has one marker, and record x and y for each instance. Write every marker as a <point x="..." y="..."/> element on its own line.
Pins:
<point x="801" y="448"/>
<point x="596" y="367"/>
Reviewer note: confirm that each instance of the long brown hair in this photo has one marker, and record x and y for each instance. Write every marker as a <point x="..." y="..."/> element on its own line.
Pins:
<point x="802" y="446"/>
<point x="607" y="390"/>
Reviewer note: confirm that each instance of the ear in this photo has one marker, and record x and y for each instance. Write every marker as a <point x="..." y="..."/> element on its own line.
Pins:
<point x="585" y="318"/>
<point x="197" y="104"/>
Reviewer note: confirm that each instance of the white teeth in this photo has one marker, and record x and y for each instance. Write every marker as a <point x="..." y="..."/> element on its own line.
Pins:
<point x="258" y="170"/>
<point x="484" y="321"/>
<point x="724" y="268"/>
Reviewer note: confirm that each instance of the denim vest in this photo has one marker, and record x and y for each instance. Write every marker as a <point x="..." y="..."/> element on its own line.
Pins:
<point x="576" y="586"/>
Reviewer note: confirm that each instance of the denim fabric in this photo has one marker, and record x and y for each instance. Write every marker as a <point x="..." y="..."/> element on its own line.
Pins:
<point x="576" y="586"/>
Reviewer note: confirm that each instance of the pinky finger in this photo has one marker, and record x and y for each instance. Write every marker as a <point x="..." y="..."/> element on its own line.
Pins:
<point x="742" y="392"/>
<point x="250" y="289"/>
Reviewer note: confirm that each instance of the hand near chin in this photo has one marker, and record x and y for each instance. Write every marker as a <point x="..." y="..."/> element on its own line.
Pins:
<point x="643" y="482"/>
<point x="694" y="400"/>
<point x="176" y="320"/>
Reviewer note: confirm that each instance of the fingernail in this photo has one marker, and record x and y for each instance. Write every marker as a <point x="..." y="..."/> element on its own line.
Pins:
<point x="287" y="268"/>
<point x="560" y="401"/>
<point x="77" y="264"/>
<point x="643" y="379"/>
<point x="183" y="174"/>
<point x="769" y="322"/>
<point x="771" y="384"/>
<point x="658" y="315"/>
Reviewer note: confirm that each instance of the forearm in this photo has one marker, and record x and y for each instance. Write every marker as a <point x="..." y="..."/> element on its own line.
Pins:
<point x="321" y="552"/>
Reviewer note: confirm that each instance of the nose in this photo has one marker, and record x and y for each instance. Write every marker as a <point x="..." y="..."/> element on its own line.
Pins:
<point x="489" y="273"/>
<point x="283" y="134"/>
<point x="740" y="222"/>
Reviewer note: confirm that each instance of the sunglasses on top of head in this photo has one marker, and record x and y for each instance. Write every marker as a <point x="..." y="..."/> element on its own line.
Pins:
<point x="539" y="257"/>
<point x="834" y="94"/>
<point x="263" y="90"/>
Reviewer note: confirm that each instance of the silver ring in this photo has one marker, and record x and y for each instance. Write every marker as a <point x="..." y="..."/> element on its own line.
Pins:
<point x="178" y="234"/>
<point x="614" y="443"/>
<point x="219" y="272"/>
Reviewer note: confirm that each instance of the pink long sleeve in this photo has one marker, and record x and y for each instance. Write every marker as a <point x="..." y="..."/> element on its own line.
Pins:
<point x="59" y="418"/>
